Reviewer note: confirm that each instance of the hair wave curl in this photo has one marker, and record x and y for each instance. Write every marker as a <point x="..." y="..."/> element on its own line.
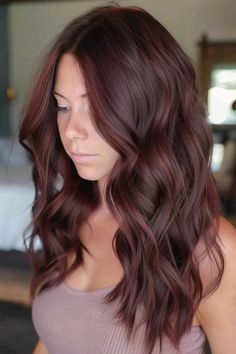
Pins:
<point x="145" y="102"/>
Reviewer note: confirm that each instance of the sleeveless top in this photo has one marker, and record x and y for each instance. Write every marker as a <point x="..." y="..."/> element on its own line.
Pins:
<point x="69" y="321"/>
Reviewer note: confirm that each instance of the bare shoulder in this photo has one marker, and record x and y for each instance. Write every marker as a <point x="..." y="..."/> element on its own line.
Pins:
<point x="217" y="312"/>
<point x="227" y="233"/>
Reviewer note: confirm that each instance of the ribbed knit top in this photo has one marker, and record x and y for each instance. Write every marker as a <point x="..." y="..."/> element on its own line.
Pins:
<point x="79" y="322"/>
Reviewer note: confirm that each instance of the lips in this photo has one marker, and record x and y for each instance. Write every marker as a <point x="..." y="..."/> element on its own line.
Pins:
<point x="81" y="154"/>
<point x="82" y="158"/>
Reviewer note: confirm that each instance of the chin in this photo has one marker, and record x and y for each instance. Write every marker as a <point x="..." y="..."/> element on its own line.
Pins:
<point x="88" y="176"/>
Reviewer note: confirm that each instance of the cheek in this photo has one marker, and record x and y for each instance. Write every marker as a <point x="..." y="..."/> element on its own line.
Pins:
<point x="112" y="156"/>
<point x="61" y="133"/>
<point x="109" y="152"/>
<point x="60" y="128"/>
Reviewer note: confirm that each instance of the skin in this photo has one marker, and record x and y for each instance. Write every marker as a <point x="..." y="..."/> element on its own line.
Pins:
<point x="217" y="312"/>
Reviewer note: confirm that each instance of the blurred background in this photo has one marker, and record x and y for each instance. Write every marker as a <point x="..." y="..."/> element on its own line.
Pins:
<point x="206" y="30"/>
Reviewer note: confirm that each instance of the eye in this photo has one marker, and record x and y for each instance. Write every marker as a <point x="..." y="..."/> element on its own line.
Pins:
<point x="61" y="109"/>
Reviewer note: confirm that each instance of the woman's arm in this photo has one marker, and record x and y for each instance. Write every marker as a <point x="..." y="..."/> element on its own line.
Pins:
<point x="40" y="348"/>
<point x="217" y="312"/>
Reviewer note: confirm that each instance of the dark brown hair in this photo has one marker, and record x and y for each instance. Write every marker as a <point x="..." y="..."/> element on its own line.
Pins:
<point x="145" y="102"/>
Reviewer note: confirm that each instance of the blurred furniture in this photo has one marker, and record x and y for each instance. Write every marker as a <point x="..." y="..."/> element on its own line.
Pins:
<point x="217" y="72"/>
<point x="16" y="197"/>
<point x="214" y="54"/>
<point x="16" y="194"/>
<point x="12" y="153"/>
<point x="15" y="285"/>
<point x="226" y="177"/>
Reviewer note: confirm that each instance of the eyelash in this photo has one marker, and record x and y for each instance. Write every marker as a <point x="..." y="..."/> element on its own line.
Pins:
<point x="61" y="109"/>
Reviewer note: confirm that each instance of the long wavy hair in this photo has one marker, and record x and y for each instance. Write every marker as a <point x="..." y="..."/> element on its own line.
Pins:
<point x="146" y="104"/>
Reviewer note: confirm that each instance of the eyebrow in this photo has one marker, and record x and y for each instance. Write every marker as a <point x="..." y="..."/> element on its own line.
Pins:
<point x="58" y="94"/>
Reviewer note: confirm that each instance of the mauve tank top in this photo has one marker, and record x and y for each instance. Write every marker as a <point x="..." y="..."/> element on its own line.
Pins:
<point x="79" y="322"/>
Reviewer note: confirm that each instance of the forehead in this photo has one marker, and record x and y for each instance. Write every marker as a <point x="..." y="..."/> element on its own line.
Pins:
<point x="68" y="73"/>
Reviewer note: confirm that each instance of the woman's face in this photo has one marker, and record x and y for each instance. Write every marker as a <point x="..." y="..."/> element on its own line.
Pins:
<point x="77" y="133"/>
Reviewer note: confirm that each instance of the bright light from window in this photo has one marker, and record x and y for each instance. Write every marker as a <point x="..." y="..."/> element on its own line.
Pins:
<point x="221" y="95"/>
<point x="217" y="156"/>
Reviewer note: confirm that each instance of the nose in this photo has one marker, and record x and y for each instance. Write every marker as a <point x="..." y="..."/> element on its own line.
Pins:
<point x="75" y="129"/>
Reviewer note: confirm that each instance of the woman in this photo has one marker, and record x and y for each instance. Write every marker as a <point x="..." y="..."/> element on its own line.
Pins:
<point x="136" y="257"/>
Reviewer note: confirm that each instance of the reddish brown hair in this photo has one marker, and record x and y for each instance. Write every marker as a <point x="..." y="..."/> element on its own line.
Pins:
<point x="146" y="104"/>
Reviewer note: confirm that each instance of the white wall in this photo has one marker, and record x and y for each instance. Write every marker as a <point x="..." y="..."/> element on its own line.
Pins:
<point x="33" y="26"/>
